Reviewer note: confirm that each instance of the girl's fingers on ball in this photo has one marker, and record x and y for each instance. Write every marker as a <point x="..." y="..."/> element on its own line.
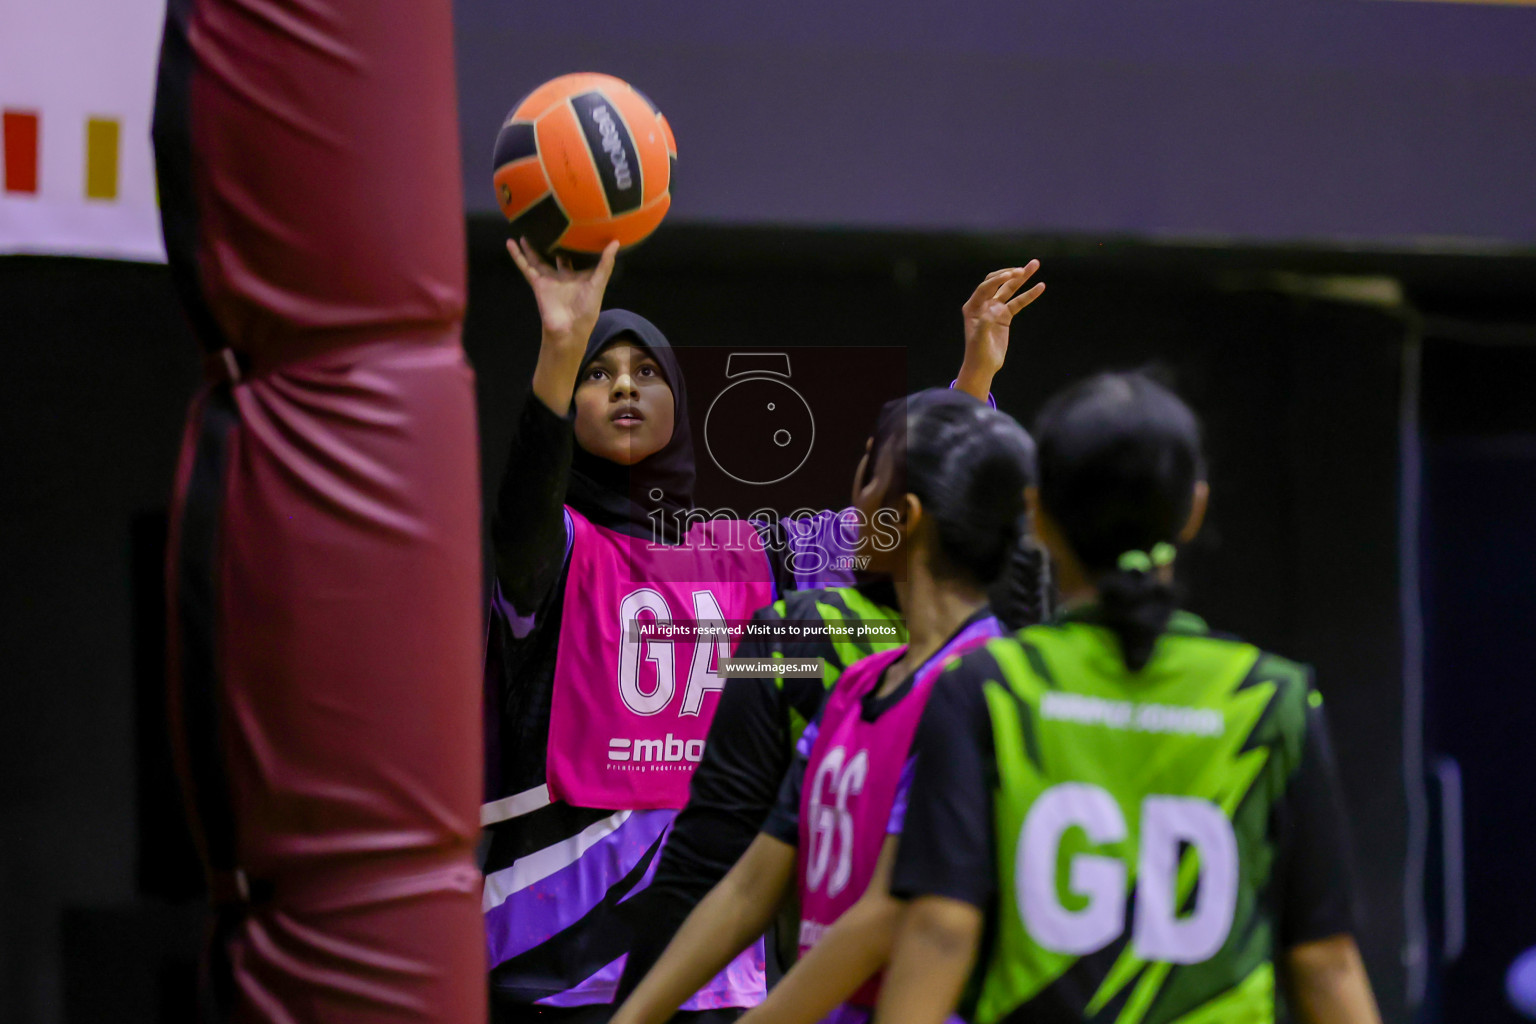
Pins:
<point x="606" y="262"/>
<point x="517" y="258"/>
<point x="531" y="256"/>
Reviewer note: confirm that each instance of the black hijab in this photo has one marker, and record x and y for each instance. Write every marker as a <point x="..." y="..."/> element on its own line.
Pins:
<point x="623" y="498"/>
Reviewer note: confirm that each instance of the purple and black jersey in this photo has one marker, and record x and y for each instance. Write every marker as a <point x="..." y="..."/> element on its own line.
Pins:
<point x="566" y="887"/>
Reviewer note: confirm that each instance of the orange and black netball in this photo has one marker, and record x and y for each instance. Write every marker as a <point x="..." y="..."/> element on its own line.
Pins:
<point x="583" y="160"/>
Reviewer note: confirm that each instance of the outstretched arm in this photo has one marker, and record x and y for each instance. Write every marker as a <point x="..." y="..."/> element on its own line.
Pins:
<point x="526" y="528"/>
<point x="988" y="314"/>
<point x="817" y="547"/>
<point x="848" y="955"/>
<point x="946" y="863"/>
<point x="935" y="949"/>
<point x="735" y="912"/>
<point x="732" y="790"/>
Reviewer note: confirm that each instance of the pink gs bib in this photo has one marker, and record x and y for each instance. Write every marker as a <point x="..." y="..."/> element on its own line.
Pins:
<point x="851" y="783"/>
<point x="629" y="716"/>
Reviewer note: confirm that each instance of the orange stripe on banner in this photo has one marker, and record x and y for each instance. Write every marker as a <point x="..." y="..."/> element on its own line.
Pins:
<point x="101" y="158"/>
<point x="20" y="132"/>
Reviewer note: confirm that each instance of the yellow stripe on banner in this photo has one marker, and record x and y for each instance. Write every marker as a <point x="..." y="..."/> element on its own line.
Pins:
<point x="101" y="158"/>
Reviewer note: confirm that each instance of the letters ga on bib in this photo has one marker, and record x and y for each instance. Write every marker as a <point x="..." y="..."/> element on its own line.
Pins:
<point x="629" y="716"/>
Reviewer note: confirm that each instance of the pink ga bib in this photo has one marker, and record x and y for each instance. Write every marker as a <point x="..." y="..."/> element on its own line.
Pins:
<point x="629" y="716"/>
<point x="851" y="782"/>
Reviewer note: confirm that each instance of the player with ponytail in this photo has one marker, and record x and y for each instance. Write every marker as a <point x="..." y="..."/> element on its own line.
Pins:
<point x="954" y="472"/>
<point x="593" y="730"/>
<point x="1124" y="482"/>
<point x="1022" y="595"/>
<point x="1141" y="816"/>
<point x="759" y="722"/>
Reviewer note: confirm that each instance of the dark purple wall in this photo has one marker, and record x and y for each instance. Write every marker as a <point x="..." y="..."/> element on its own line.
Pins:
<point x="1353" y="121"/>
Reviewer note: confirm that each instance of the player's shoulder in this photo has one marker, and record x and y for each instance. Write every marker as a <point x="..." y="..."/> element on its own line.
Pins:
<point x="980" y="665"/>
<point x="1265" y="665"/>
<point x="1079" y="640"/>
<point x="1003" y="655"/>
<point x="824" y="603"/>
<point x="1247" y="666"/>
<point x="1282" y="671"/>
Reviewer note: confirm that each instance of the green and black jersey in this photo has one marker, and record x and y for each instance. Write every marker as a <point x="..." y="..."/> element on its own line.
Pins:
<point x="751" y="743"/>
<point x="1143" y="843"/>
<point x="799" y="697"/>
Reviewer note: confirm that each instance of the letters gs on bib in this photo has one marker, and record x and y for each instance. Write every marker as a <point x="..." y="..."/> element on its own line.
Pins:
<point x="1168" y="825"/>
<point x="838" y="779"/>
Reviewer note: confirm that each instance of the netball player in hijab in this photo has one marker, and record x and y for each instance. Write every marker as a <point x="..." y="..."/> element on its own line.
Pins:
<point x="598" y="732"/>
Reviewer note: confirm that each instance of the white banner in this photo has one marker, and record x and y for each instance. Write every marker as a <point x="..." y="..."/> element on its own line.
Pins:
<point x="77" y="83"/>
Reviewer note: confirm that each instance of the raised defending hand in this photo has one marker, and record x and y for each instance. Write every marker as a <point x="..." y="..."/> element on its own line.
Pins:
<point x="988" y="315"/>
<point x="569" y="300"/>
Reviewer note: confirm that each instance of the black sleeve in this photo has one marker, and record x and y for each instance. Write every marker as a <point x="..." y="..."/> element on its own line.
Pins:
<point x="735" y="785"/>
<point x="946" y="844"/>
<point x="732" y="790"/>
<point x="783" y="821"/>
<point x="1314" y="874"/>
<point x="528" y="524"/>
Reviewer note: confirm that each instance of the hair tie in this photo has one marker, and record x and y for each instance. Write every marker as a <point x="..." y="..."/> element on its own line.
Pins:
<point x="1161" y="554"/>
